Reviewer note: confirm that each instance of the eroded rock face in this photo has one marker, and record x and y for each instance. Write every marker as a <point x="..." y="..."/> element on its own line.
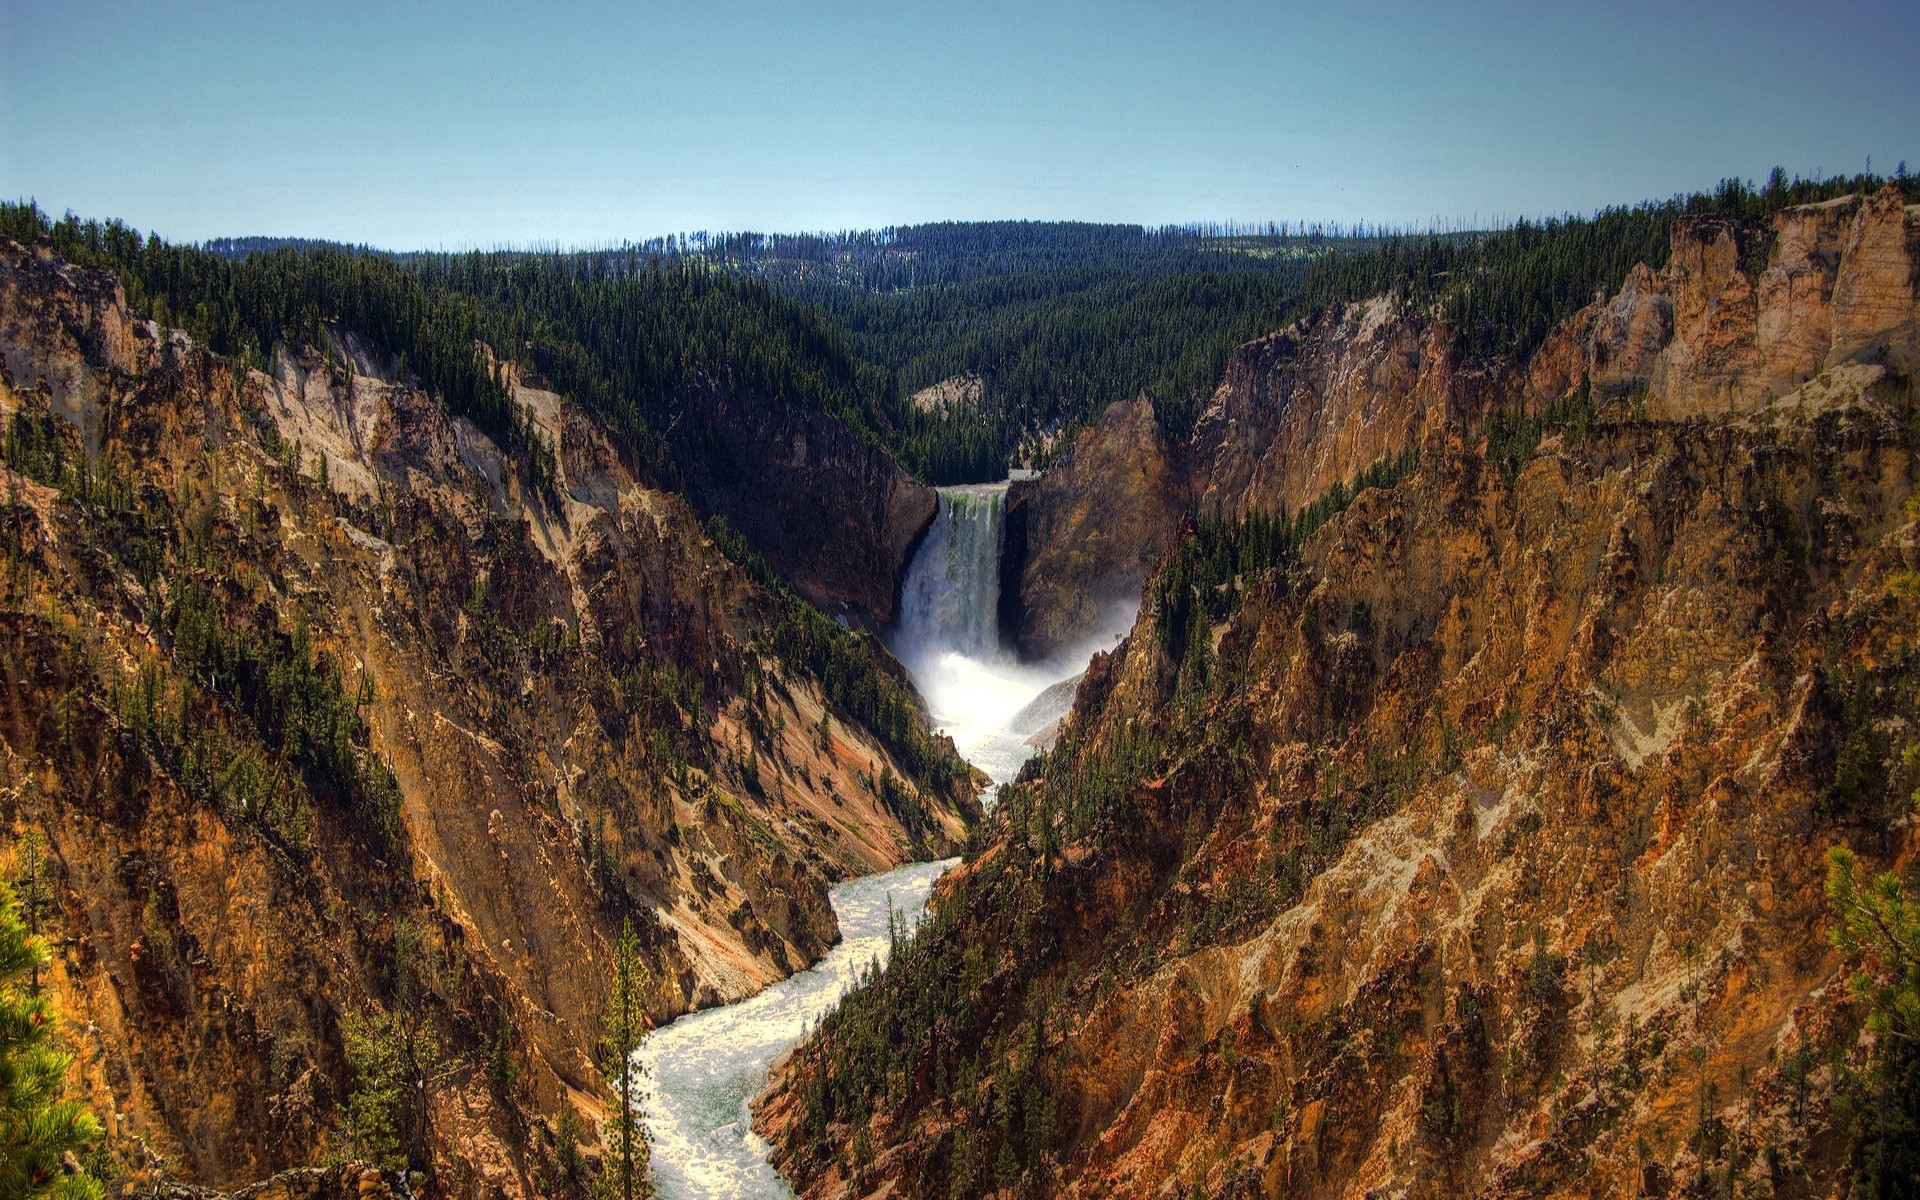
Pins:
<point x="1511" y="836"/>
<point x="578" y="701"/>
<point x="1082" y="539"/>
<point x="831" y="512"/>
<point x="1312" y="406"/>
<point x="1484" y="852"/>
<point x="1742" y="317"/>
<point x="1833" y="291"/>
<point x="1296" y="412"/>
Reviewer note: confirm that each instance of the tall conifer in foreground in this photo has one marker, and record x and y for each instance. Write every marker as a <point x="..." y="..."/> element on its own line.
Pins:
<point x="37" y="1128"/>
<point x="627" y="1175"/>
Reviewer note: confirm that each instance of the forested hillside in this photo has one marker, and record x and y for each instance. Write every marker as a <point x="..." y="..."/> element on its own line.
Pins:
<point x="1506" y="788"/>
<point x="1053" y="320"/>
<point x="351" y="740"/>
<point x="1057" y="321"/>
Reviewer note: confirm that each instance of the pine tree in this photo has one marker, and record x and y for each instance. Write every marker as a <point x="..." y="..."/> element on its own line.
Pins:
<point x="1880" y="928"/>
<point x="627" y="1175"/>
<point x="37" y="1130"/>
<point x="32" y="863"/>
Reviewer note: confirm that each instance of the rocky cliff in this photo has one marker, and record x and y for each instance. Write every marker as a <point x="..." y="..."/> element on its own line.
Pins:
<point x="329" y="719"/>
<point x="1312" y="405"/>
<point x="1741" y="315"/>
<point x="1473" y="844"/>
<point x="1744" y="316"/>
<point x="1082" y="538"/>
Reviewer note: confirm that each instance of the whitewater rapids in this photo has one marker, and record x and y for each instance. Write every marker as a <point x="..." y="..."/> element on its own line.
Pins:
<point x="704" y="1069"/>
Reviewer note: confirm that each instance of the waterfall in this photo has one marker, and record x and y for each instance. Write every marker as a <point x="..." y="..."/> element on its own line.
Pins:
<point x="950" y="603"/>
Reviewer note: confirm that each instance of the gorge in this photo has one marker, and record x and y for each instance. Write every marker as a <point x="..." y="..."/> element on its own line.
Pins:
<point x="1455" y="817"/>
<point x="1433" y="757"/>
<point x="704" y="1068"/>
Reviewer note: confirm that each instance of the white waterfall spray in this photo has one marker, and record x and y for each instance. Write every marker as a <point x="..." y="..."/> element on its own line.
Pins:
<point x="951" y="599"/>
<point x="950" y="638"/>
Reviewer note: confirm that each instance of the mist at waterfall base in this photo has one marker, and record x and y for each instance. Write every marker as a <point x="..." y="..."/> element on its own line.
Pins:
<point x="978" y="691"/>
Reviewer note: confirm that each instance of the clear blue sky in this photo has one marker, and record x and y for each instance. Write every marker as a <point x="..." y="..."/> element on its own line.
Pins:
<point x="415" y="123"/>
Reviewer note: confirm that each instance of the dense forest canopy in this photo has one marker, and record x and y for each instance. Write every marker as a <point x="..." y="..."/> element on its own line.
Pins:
<point x="1049" y="322"/>
<point x="1054" y="321"/>
<point x="628" y="341"/>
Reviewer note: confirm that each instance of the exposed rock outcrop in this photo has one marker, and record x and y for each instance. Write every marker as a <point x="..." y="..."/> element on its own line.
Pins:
<point x="323" y="714"/>
<point x="1082" y="538"/>
<point x="1743" y="316"/>
<point x="1479" y="849"/>
<point x="1313" y="405"/>
<point x="1832" y="290"/>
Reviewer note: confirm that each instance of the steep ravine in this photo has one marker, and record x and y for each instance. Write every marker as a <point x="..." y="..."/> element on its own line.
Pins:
<point x="324" y="714"/>
<point x="702" y="1069"/>
<point x="1476" y="847"/>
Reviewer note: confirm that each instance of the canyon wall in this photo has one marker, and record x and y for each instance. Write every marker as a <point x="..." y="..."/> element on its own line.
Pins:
<point x="1478" y="848"/>
<point x="829" y="510"/>
<point x="1740" y="317"/>
<point x="1082" y="538"/>
<point x="1744" y="316"/>
<point x="327" y="715"/>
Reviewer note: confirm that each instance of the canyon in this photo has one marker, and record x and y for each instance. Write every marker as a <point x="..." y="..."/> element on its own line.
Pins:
<point x="326" y="712"/>
<point x="1409" y="771"/>
<point x="1478" y="845"/>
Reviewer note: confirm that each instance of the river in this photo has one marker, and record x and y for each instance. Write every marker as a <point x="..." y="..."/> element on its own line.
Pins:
<point x="704" y="1069"/>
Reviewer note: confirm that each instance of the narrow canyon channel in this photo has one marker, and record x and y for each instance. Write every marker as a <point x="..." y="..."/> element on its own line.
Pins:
<point x="703" y="1069"/>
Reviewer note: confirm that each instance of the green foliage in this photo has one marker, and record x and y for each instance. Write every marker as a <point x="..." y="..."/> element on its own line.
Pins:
<point x="1513" y="433"/>
<point x="625" y="335"/>
<point x="32" y="892"/>
<point x="855" y="674"/>
<point x="1207" y="576"/>
<point x="1503" y="292"/>
<point x="623" y="1032"/>
<point x="1044" y="815"/>
<point x="1055" y="320"/>
<point x="295" y="698"/>
<point x="568" y="1137"/>
<point x="1863" y="747"/>
<point x="233" y="773"/>
<point x="37" y="1128"/>
<point x="245" y="307"/>
<point x="393" y="1058"/>
<point x="376" y="1097"/>
<point x="34" y="446"/>
<point x="1880" y="926"/>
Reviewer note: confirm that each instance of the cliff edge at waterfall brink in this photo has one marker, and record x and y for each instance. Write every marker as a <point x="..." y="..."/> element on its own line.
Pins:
<point x="354" y="733"/>
<point x="1464" y="831"/>
<point x="1084" y="537"/>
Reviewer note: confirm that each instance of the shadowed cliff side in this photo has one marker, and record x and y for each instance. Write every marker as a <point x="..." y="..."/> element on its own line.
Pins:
<point x="829" y="510"/>
<point x="328" y="714"/>
<point x="1084" y="537"/>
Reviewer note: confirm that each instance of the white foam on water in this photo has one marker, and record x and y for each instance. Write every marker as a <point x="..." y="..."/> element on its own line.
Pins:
<point x="950" y="640"/>
<point x="704" y="1069"/>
